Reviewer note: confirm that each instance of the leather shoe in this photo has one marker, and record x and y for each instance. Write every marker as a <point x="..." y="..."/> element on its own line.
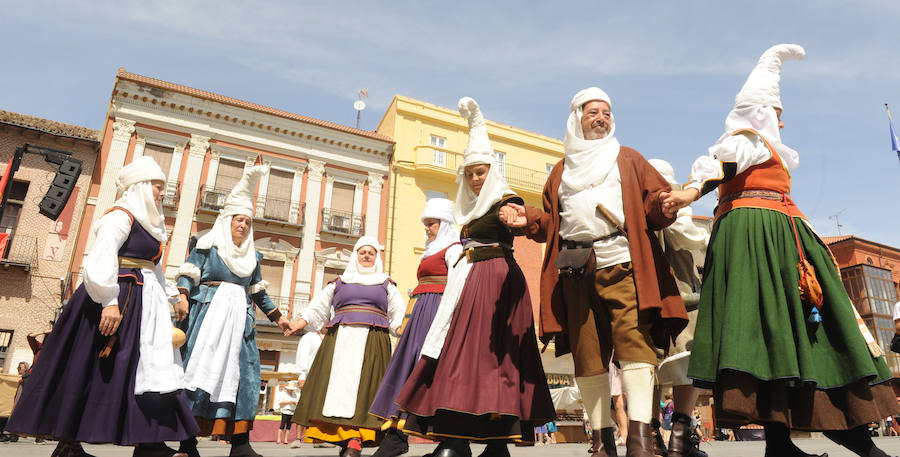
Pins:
<point x="640" y="442"/>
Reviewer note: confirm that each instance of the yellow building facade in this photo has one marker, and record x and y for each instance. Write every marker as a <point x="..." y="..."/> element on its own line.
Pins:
<point x="429" y="144"/>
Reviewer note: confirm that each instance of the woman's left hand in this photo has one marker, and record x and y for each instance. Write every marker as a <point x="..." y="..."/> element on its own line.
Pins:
<point x="181" y="308"/>
<point x="284" y="325"/>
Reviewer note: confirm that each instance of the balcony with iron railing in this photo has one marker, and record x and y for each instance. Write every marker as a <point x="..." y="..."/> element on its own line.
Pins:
<point x="21" y="251"/>
<point x="173" y="193"/>
<point x="343" y="222"/>
<point x="284" y="305"/>
<point x="212" y="198"/>
<point x="280" y="210"/>
<point x="444" y="161"/>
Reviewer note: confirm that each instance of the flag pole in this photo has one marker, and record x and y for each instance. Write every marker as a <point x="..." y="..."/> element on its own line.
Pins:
<point x="889" y="112"/>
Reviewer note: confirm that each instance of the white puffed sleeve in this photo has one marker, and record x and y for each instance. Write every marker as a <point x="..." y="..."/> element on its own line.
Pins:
<point x="740" y="151"/>
<point x="452" y="255"/>
<point x="685" y="234"/>
<point x="318" y="312"/>
<point x="101" y="267"/>
<point x="396" y="308"/>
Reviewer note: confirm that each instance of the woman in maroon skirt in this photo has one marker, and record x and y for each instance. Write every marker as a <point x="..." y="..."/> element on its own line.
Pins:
<point x="480" y="377"/>
<point x="107" y="371"/>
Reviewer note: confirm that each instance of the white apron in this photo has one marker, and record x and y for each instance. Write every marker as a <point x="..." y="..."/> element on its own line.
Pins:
<point x="159" y="366"/>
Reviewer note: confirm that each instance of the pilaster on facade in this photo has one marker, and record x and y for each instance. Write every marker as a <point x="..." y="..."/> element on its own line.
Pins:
<point x="357" y="195"/>
<point x="123" y="129"/>
<point x="296" y="190"/>
<point x="373" y="203"/>
<point x="332" y="258"/>
<point x="139" y="143"/>
<point x="186" y="208"/>
<point x="315" y="173"/>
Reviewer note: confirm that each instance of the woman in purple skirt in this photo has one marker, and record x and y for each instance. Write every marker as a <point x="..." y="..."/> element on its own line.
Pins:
<point x="480" y="376"/>
<point x="442" y="250"/>
<point x="108" y="372"/>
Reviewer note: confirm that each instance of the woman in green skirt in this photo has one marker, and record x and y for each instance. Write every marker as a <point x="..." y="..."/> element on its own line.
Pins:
<point x="773" y="354"/>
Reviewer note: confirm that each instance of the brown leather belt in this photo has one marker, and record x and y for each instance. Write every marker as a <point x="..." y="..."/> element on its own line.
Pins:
<point x="131" y="262"/>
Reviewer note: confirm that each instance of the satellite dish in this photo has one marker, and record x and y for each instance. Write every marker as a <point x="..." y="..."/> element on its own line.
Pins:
<point x="359" y="105"/>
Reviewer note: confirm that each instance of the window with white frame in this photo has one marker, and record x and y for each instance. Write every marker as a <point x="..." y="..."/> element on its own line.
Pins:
<point x="429" y="194"/>
<point x="440" y="156"/>
<point x="162" y="155"/>
<point x="549" y="169"/>
<point x="501" y="162"/>
<point x="278" y="195"/>
<point x="5" y="342"/>
<point x="9" y="218"/>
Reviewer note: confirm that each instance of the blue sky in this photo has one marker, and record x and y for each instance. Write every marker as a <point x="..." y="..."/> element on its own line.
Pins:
<point x="671" y="68"/>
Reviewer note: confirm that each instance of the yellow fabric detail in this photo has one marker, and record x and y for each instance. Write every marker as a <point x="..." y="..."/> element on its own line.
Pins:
<point x="333" y="433"/>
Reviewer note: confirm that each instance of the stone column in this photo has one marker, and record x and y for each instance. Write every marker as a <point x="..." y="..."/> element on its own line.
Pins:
<point x="373" y="204"/>
<point x="187" y="204"/>
<point x="308" y="242"/>
<point x="139" y="144"/>
<point x="118" y="148"/>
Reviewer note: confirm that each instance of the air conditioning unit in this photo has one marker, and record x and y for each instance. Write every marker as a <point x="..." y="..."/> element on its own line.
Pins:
<point x="340" y="223"/>
<point x="214" y="199"/>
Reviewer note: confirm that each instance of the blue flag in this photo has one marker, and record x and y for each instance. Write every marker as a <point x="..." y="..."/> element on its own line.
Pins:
<point x="895" y="143"/>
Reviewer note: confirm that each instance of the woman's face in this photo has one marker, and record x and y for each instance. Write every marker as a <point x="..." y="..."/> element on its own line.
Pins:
<point x="476" y="175"/>
<point x="432" y="226"/>
<point x="159" y="191"/>
<point x="366" y="256"/>
<point x="240" y="227"/>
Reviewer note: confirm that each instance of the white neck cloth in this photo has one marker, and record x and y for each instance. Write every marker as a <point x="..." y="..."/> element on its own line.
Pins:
<point x="587" y="162"/>
<point x="241" y="260"/>
<point x="468" y="205"/>
<point x="138" y="200"/>
<point x="356" y="273"/>
<point x="442" y="210"/>
<point x="764" y="120"/>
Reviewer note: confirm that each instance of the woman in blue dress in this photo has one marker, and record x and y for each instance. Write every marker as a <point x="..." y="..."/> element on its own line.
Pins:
<point x="222" y="279"/>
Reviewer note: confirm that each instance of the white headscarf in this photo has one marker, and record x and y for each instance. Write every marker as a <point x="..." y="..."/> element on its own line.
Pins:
<point x="356" y="273"/>
<point x="241" y="260"/>
<point x="442" y="210"/>
<point x="754" y="105"/>
<point x="136" y="195"/>
<point x="468" y="205"/>
<point x="587" y="162"/>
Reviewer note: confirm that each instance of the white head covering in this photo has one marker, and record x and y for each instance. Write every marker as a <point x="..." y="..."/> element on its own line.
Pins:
<point x="587" y="162"/>
<point x="442" y="210"/>
<point x="754" y="105"/>
<point x="136" y="195"/>
<point x="241" y="260"/>
<point x="356" y="273"/>
<point x="665" y="169"/>
<point x="468" y="205"/>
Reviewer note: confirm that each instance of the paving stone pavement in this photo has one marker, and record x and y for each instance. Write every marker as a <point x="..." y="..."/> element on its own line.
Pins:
<point x="27" y="448"/>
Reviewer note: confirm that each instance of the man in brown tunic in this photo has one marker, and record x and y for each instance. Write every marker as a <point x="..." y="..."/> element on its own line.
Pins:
<point x="606" y="288"/>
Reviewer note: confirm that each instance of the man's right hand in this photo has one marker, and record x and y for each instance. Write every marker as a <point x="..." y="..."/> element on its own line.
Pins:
<point x="110" y="318"/>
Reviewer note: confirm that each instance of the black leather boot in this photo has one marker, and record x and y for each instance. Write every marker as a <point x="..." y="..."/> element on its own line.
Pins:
<point x="640" y="441"/>
<point x="189" y="447"/>
<point x="395" y="443"/>
<point x="453" y="447"/>
<point x="680" y="444"/>
<point x="495" y="448"/>
<point x="857" y="440"/>
<point x="240" y="446"/>
<point x="779" y="444"/>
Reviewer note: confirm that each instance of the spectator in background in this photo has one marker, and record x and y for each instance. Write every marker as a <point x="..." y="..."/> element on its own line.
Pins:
<point x="306" y="353"/>
<point x="287" y="401"/>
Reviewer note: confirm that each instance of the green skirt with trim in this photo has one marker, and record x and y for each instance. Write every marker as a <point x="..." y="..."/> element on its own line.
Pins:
<point x="752" y="327"/>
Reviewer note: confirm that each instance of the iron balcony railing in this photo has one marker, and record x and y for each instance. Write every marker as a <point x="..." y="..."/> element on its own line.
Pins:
<point x="281" y="210"/>
<point x="21" y="251"/>
<point x="213" y="198"/>
<point x="342" y="222"/>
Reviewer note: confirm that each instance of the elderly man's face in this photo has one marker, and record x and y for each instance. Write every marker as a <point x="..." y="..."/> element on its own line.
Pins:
<point x="595" y="120"/>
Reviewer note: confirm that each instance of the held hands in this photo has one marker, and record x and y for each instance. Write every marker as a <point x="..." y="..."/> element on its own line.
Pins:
<point x="284" y="325"/>
<point x="294" y="328"/>
<point x="513" y="215"/>
<point x="675" y="200"/>
<point x="110" y="318"/>
<point x="181" y="308"/>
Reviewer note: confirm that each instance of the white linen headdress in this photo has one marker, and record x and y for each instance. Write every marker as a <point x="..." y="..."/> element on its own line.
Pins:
<point x="136" y="195"/>
<point x="442" y="210"/>
<point x="754" y="105"/>
<point x="587" y="162"/>
<point x="478" y="151"/>
<point x="241" y="260"/>
<point x="356" y="273"/>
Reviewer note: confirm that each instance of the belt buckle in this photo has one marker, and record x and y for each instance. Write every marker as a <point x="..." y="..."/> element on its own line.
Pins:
<point x="572" y="272"/>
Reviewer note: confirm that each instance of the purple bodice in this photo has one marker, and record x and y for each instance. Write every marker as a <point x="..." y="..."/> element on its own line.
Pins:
<point x="359" y="304"/>
<point x="140" y="244"/>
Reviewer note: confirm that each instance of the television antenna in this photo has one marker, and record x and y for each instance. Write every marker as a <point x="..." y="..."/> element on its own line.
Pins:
<point x="837" y="221"/>
<point x="359" y="104"/>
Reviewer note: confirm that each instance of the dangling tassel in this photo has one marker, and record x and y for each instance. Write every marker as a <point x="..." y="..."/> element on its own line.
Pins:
<point x="814" y="316"/>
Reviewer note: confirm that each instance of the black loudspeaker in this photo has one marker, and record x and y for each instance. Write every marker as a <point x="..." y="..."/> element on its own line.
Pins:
<point x="59" y="192"/>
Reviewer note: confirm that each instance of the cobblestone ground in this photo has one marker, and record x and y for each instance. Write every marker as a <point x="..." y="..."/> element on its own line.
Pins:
<point x="26" y="448"/>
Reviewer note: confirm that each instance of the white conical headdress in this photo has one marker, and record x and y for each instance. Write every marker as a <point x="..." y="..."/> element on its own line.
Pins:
<point x="133" y="184"/>
<point x="478" y="151"/>
<point x="442" y="210"/>
<point x="763" y="84"/>
<point x="240" y="200"/>
<point x="241" y="260"/>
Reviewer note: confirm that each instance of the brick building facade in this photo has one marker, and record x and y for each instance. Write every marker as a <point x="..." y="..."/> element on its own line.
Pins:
<point x="35" y="264"/>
